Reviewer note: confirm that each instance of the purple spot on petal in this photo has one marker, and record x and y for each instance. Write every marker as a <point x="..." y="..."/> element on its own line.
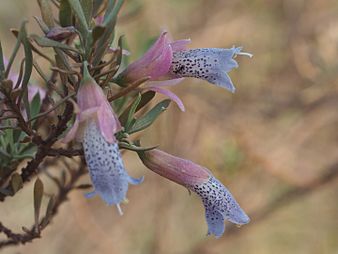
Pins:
<point x="210" y="64"/>
<point x="219" y="205"/>
<point x="106" y="169"/>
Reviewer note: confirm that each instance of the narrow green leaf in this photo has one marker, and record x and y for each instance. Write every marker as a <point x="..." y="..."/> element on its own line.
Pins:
<point x="16" y="182"/>
<point x="28" y="66"/>
<point x="63" y="179"/>
<point x="45" y="42"/>
<point x="109" y="23"/>
<point x="35" y="105"/>
<point x="2" y="65"/>
<point x="98" y="31"/>
<point x="87" y="6"/>
<point x="24" y="156"/>
<point x="40" y="72"/>
<point x="38" y="194"/>
<point x="10" y="139"/>
<point x="63" y="63"/>
<point x="17" y="135"/>
<point x="132" y="111"/>
<point x="65" y="14"/>
<point x="119" y="56"/>
<point x="15" y="51"/>
<point x="79" y="13"/>
<point x="134" y="148"/>
<point x="96" y="6"/>
<point x="146" y="98"/>
<point x="112" y="15"/>
<point x="43" y="26"/>
<point x="49" y="212"/>
<point x="47" y="12"/>
<point x="110" y="7"/>
<point x="27" y="151"/>
<point x="103" y="43"/>
<point x="146" y="120"/>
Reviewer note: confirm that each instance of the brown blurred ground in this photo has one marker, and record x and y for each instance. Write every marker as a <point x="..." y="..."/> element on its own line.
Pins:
<point x="269" y="142"/>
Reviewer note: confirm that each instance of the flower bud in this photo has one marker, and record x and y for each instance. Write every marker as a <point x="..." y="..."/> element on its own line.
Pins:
<point x="60" y="33"/>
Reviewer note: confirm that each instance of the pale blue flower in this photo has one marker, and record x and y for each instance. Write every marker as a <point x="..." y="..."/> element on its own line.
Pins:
<point x="210" y="64"/>
<point x="106" y="169"/>
<point x="219" y="206"/>
<point x="218" y="202"/>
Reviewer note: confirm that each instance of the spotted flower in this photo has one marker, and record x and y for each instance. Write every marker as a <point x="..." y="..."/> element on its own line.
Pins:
<point x="210" y="64"/>
<point x="219" y="203"/>
<point x="167" y="60"/>
<point x="155" y="63"/>
<point x="95" y="126"/>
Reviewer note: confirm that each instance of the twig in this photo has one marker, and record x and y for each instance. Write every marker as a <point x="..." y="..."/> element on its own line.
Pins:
<point x="31" y="234"/>
<point x="44" y="146"/>
<point x="64" y="152"/>
<point x="129" y="88"/>
<point x="53" y="108"/>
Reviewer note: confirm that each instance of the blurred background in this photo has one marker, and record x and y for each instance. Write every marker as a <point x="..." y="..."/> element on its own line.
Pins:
<point x="274" y="143"/>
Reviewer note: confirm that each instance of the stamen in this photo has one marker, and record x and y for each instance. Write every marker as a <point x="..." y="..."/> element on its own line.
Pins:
<point x="119" y="209"/>
<point x="244" y="54"/>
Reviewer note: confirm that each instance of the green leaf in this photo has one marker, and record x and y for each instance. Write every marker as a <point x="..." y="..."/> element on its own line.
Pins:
<point x="146" y="120"/>
<point x="134" y="148"/>
<point x="96" y="6"/>
<point x="17" y="134"/>
<point x="103" y="43"/>
<point x="98" y="31"/>
<point x="109" y="23"/>
<point x="146" y="98"/>
<point x="79" y="13"/>
<point x="15" y="51"/>
<point x="35" y="105"/>
<point x="16" y="183"/>
<point x="119" y="56"/>
<point x="45" y="42"/>
<point x="28" y="66"/>
<point x="111" y="16"/>
<point x="2" y="65"/>
<point x="47" y="13"/>
<point x="49" y="212"/>
<point x="87" y="6"/>
<point x="131" y="112"/>
<point x="38" y="194"/>
<point x="42" y="25"/>
<point x="62" y="63"/>
<point x="65" y="14"/>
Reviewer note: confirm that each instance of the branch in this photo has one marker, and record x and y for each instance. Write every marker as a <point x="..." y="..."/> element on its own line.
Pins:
<point x="64" y="152"/>
<point x="31" y="234"/>
<point x="44" y="146"/>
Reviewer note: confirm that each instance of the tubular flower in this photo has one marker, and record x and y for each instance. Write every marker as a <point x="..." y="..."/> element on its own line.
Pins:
<point x="219" y="204"/>
<point x="171" y="60"/>
<point x="95" y="126"/>
<point x="155" y="63"/>
<point x="167" y="60"/>
<point x="210" y="64"/>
